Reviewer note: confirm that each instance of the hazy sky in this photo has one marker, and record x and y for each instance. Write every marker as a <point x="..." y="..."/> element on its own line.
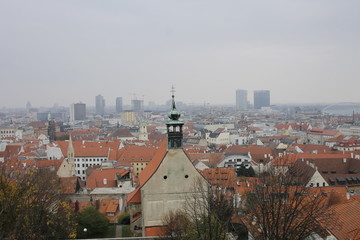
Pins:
<point x="70" y="51"/>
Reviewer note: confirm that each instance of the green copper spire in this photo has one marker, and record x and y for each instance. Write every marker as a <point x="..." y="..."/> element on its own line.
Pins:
<point x="174" y="126"/>
<point x="174" y="114"/>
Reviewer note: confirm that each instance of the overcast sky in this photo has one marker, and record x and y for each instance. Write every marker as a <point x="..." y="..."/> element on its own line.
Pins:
<point x="70" y="51"/>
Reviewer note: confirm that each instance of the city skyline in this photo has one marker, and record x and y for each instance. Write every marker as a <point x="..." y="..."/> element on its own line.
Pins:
<point x="300" y="51"/>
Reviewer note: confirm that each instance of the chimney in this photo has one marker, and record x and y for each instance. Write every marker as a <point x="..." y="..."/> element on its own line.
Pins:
<point x="347" y="196"/>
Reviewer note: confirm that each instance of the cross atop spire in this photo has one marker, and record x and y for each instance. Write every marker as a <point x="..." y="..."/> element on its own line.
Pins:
<point x="173" y="114"/>
<point x="173" y="97"/>
<point x="173" y="91"/>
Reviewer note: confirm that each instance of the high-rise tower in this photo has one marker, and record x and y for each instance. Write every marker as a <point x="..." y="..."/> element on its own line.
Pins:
<point x="241" y="100"/>
<point x="77" y="111"/>
<point x="119" y="105"/>
<point x="261" y="99"/>
<point x="100" y="105"/>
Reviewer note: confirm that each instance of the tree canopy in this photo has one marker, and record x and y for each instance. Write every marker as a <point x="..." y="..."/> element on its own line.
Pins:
<point x="32" y="205"/>
<point x="91" y="223"/>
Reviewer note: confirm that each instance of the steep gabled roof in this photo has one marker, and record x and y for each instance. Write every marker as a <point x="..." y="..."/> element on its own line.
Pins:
<point x="154" y="164"/>
<point x="135" y="196"/>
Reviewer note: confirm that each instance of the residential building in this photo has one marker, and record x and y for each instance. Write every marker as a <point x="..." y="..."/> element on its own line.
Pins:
<point x="218" y="137"/>
<point x="77" y="112"/>
<point x="128" y="117"/>
<point x="85" y="154"/>
<point x="100" y="105"/>
<point x="317" y="136"/>
<point x="7" y="132"/>
<point x="241" y="100"/>
<point x="261" y="99"/>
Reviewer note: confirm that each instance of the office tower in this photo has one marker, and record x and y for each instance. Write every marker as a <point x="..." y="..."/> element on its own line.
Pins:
<point x="261" y="99"/>
<point x="100" y="105"/>
<point x="137" y="105"/>
<point x="77" y="111"/>
<point x="119" y="106"/>
<point x="241" y="100"/>
<point x="28" y="106"/>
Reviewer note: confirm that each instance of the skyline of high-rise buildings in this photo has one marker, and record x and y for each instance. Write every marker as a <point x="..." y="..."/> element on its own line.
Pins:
<point x="261" y="98"/>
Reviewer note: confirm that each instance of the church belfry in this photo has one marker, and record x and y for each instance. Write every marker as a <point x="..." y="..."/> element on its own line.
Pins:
<point x="174" y="127"/>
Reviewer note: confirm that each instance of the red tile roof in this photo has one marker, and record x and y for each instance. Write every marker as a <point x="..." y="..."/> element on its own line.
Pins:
<point x="148" y="172"/>
<point x="223" y="177"/>
<point x="134" y="153"/>
<point x="326" y="132"/>
<point x="214" y="158"/>
<point x="89" y="148"/>
<point x="348" y="219"/>
<point x="104" y="178"/>
<point x="154" y="231"/>
<point x="154" y="164"/>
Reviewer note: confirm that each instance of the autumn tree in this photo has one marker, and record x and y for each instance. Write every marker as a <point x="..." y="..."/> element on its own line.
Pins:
<point x="32" y="205"/>
<point x="281" y="207"/>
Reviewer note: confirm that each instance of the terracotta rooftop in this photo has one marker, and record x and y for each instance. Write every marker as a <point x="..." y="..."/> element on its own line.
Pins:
<point x="104" y="178"/>
<point x="348" y="219"/>
<point x="148" y="172"/>
<point x="88" y="148"/>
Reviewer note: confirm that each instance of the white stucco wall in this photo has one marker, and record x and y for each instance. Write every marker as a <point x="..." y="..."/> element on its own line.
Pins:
<point x="168" y="188"/>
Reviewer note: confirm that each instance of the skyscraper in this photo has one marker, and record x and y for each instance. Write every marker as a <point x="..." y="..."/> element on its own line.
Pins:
<point x="261" y="99"/>
<point x="137" y="105"/>
<point x="241" y="100"/>
<point x="119" y="106"/>
<point x="77" y="111"/>
<point x="100" y="105"/>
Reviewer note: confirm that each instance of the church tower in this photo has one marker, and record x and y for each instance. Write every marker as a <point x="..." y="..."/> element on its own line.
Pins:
<point x="174" y="127"/>
<point x="166" y="183"/>
<point x="67" y="168"/>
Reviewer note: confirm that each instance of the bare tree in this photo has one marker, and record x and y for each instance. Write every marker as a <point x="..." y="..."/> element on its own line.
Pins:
<point x="206" y="215"/>
<point x="281" y="207"/>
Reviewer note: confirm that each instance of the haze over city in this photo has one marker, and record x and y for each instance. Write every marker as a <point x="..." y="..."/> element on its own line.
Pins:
<point x="65" y="51"/>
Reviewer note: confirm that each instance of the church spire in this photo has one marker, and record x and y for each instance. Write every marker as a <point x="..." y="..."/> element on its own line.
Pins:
<point x="174" y="126"/>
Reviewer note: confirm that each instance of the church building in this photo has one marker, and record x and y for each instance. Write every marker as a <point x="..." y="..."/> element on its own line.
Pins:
<point x="165" y="182"/>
